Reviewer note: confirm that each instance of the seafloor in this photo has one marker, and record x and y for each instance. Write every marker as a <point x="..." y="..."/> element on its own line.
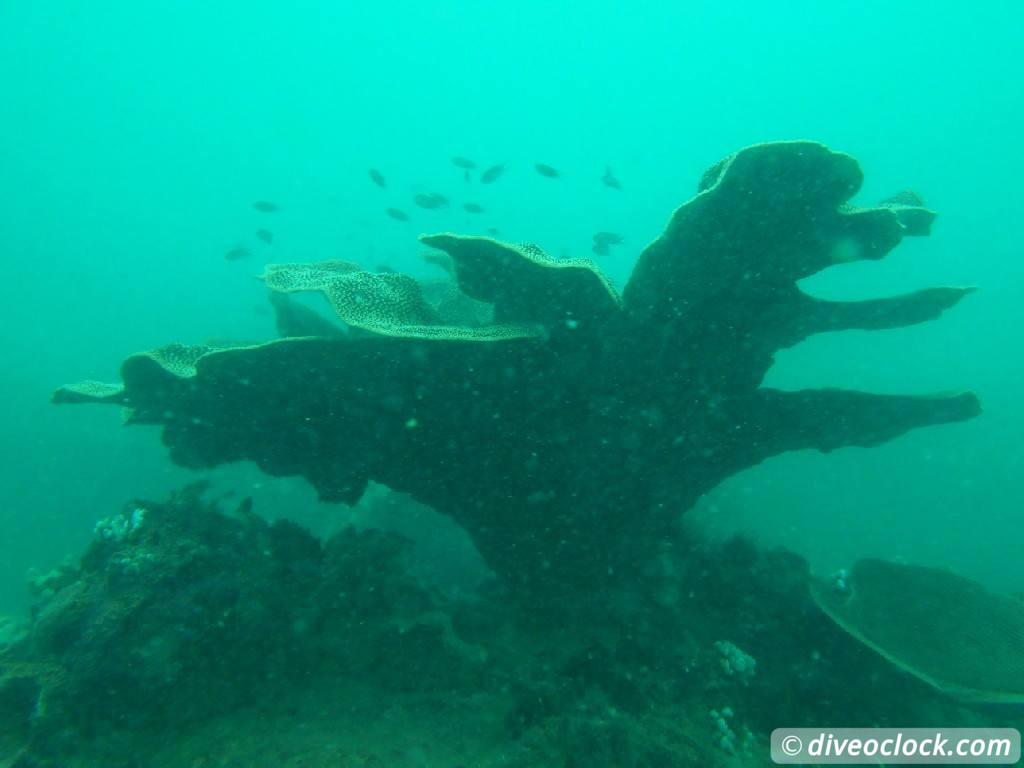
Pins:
<point x="190" y="635"/>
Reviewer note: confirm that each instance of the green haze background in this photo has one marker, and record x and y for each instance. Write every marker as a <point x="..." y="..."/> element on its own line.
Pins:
<point x="135" y="136"/>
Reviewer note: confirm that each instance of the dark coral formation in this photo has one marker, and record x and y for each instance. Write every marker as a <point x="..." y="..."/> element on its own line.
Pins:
<point x="567" y="432"/>
<point x="978" y="635"/>
<point x="187" y="636"/>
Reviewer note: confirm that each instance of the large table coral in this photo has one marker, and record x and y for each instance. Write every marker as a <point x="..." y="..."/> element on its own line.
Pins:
<point x="568" y="426"/>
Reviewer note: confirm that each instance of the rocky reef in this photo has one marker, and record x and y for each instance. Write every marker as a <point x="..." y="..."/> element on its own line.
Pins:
<point x="563" y="426"/>
<point x="194" y="635"/>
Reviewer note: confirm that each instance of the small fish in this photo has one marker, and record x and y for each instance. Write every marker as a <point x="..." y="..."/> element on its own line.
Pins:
<point x="431" y="201"/>
<point x="463" y="162"/>
<point x="610" y="180"/>
<point x="265" y="206"/>
<point x="466" y="176"/>
<point x="601" y="249"/>
<point x="493" y="231"/>
<point x="472" y="208"/>
<point x="397" y="215"/>
<point x="237" y="253"/>
<point x="265" y="235"/>
<point x="385" y="269"/>
<point x="547" y="170"/>
<point x="608" y="238"/>
<point x="378" y="178"/>
<point x="492" y="174"/>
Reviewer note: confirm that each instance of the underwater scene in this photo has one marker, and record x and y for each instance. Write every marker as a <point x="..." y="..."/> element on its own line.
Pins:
<point x="466" y="384"/>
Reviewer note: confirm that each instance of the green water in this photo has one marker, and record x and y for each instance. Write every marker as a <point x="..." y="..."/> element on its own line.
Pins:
<point x="134" y="138"/>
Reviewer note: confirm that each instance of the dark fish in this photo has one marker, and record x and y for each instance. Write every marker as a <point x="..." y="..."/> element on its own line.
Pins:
<point x="601" y="249"/>
<point x="492" y="173"/>
<point x="610" y="180"/>
<point x="385" y="269"/>
<point x="493" y="231"/>
<point x="463" y="162"/>
<point x="907" y="197"/>
<point x="465" y="175"/>
<point x="378" y="178"/>
<point x="431" y="201"/>
<point x="608" y="238"/>
<point x="396" y="214"/>
<point x="265" y="235"/>
<point x="264" y="206"/>
<point x="547" y="170"/>
<point x="472" y="208"/>
<point x="237" y="253"/>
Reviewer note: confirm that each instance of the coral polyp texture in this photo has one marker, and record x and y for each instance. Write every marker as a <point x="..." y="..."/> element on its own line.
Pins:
<point x="566" y="431"/>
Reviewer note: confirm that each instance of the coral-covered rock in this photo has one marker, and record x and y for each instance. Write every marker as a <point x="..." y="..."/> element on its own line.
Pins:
<point x="179" y="612"/>
<point x="190" y="637"/>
